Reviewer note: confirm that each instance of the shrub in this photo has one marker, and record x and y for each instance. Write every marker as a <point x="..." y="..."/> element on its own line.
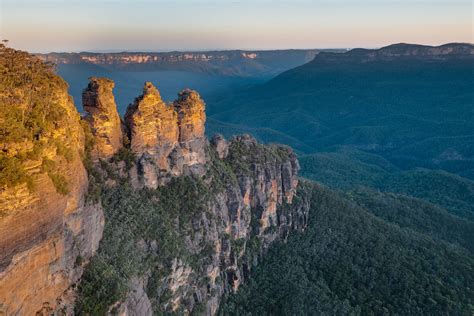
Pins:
<point x="29" y="111"/>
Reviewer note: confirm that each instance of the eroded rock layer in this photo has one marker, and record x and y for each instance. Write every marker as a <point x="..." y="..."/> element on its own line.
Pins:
<point x="47" y="230"/>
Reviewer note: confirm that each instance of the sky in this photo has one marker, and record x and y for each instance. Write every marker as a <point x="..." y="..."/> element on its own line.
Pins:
<point x="164" y="25"/>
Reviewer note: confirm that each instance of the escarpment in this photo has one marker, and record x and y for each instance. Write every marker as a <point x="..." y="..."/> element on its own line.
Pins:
<point x="47" y="230"/>
<point x="186" y="220"/>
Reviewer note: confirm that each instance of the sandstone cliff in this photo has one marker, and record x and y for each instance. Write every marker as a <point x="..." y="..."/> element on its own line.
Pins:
<point x="47" y="231"/>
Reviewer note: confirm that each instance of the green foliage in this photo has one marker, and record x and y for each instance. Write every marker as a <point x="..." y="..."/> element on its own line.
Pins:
<point x="163" y="216"/>
<point x="416" y="215"/>
<point x="59" y="181"/>
<point x="129" y="216"/>
<point x="349" y="262"/>
<point x="244" y="153"/>
<point x="220" y="172"/>
<point x="12" y="171"/>
<point x="450" y="191"/>
<point x="346" y="169"/>
<point x="64" y="151"/>
<point x="96" y="179"/>
<point x="126" y="155"/>
<point x="29" y="110"/>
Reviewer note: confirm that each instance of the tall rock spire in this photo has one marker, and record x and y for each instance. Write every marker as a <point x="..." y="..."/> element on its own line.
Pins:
<point x="99" y="103"/>
<point x="191" y="120"/>
<point x="167" y="139"/>
<point x="191" y="115"/>
<point x="153" y="125"/>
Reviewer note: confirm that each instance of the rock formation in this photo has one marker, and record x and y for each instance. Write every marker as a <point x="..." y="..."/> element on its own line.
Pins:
<point x="99" y="103"/>
<point x="191" y="120"/>
<point x="167" y="139"/>
<point x="221" y="146"/>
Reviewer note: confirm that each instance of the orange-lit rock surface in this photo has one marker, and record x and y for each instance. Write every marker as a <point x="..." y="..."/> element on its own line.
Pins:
<point x="153" y="124"/>
<point x="167" y="139"/>
<point x="50" y="228"/>
<point x="46" y="237"/>
<point x="99" y="104"/>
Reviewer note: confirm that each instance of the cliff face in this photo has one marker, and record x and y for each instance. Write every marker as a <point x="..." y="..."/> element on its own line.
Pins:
<point x="229" y="235"/>
<point x="207" y="231"/>
<point x="47" y="231"/>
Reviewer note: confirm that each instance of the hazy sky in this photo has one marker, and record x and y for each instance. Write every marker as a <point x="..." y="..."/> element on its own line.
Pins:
<point x="78" y="25"/>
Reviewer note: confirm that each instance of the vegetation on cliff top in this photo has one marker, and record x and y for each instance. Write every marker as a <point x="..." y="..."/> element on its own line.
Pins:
<point x="29" y="112"/>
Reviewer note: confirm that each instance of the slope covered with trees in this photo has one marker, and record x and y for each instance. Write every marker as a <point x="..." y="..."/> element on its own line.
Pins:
<point x="351" y="262"/>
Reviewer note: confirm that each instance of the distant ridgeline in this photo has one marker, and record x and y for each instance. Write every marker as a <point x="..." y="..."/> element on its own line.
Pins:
<point x="209" y="72"/>
<point x="229" y="63"/>
<point x="387" y="100"/>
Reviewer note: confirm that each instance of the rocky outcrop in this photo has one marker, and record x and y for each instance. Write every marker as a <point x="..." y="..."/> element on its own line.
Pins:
<point x="153" y="125"/>
<point x="221" y="146"/>
<point x="47" y="230"/>
<point x="167" y="139"/>
<point x="154" y="133"/>
<point x="191" y="120"/>
<point x="101" y="113"/>
<point x="229" y="62"/>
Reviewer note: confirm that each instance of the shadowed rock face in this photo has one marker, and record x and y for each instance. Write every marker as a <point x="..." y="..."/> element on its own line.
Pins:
<point x="221" y="146"/>
<point x="168" y="140"/>
<point x="99" y="103"/>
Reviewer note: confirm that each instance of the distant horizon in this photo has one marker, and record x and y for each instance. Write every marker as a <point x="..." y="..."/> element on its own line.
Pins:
<point x="144" y="50"/>
<point x="42" y="26"/>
